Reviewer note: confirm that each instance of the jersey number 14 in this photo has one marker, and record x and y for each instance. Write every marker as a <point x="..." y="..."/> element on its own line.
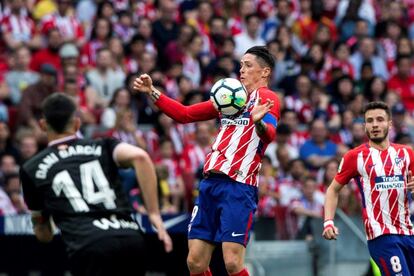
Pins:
<point x="90" y="173"/>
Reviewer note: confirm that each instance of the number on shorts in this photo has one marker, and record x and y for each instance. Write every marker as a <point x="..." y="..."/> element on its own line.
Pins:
<point x="194" y="213"/>
<point x="395" y="264"/>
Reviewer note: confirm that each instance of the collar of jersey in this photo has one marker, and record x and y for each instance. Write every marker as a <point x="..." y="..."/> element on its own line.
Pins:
<point x="63" y="139"/>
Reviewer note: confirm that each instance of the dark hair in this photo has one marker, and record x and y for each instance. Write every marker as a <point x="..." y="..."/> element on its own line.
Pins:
<point x="95" y="26"/>
<point x="263" y="54"/>
<point x="10" y="176"/>
<point x="58" y="109"/>
<point x="377" y="105"/>
<point x="401" y="57"/>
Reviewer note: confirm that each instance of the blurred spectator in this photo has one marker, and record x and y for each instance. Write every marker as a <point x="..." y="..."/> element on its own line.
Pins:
<point x="20" y="76"/>
<point x="268" y="200"/>
<point x="175" y="181"/>
<point x="341" y="60"/>
<point x="13" y="189"/>
<point x="6" y="205"/>
<point x="366" y="52"/>
<point x="300" y="100"/>
<point x="305" y="27"/>
<point x="349" y="12"/>
<point x="375" y="89"/>
<point x="85" y="12"/>
<point x="106" y="10"/>
<point x="308" y="206"/>
<point x="193" y="158"/>
<point x="402" y="82"/>
<point x="299" y="136"/>
<point x="30" y="106"/>
<point x="85" y="110"/>
<point x="358" y="133"/>
<point x="50" y="54"/>
<point x="69" y="55"/>
<point x="218" y="33"/>
<point x="121" y="99"/>
<point x="268" y="193"/>
<point x="343" y="93"/>
<point x="124" y="28"/>
<point x="326" y="174"/>
<point x="68" y="25"/>
<point x="41" y="8"/>
<point x="191" y="63"/>
<point x="18" y="28"/>
<point x="28" y="146"/>
<point x="166" y="128"/>
<point x="8" y="165"/>
<point x="126" y="130"/>
<point x="104" y="80"/>
<point x="117" y="50"/>
<point x="144" y="29"/>
<point x="6" y="143"/>
<point x="283" y="133"/>
<point x="401" y="122"/>
<point x="349" y="199"/>
<point x="317" y="150"/>
<point x="101" y="33"/>
<point x="289" y="188"/>
<point x="165" y="29"/>
<point x="250" y="36"/>
<point x="174" y="51"/>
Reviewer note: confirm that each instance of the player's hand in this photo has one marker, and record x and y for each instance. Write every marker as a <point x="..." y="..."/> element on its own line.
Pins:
<point x="330" y="233"/>
<point x="163" y="236"/>
<point x="260" y="110"/>
<point x="143" y="84"/>
<point x="166" y="239"/>
<point x="410" y="182"/>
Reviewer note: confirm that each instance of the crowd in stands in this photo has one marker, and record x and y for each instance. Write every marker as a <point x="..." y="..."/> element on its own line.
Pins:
<point x="332" y="57"/>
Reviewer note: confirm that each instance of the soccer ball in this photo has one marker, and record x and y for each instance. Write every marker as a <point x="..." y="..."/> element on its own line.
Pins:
<point x="228" y="96"/>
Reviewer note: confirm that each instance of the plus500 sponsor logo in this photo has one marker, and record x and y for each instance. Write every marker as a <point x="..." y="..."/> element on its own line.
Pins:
<point x="383" y="183"/>
<point x="238" y="122"/>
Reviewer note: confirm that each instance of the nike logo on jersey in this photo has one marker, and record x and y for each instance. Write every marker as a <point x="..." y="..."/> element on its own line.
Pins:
<point x="236" y="235"/>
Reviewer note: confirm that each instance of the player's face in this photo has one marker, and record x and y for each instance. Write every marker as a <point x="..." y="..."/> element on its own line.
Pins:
<point x="377" y="124"/>
<point x="252" y="74"/>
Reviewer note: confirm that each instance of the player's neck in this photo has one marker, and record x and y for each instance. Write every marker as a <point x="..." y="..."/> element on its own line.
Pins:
<point x="52" y="137"/>
<point x="380" y="146"/>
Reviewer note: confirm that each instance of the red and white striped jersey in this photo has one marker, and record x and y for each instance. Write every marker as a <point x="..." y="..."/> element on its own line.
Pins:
<point x="68" y="26"/>
<point x="21" y="27"/>
<point x="238" y="150"/>
<point x="381" y="176"/>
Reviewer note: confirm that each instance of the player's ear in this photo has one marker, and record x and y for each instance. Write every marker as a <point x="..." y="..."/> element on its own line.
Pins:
<point x="43" y="124"/>
<point x="266" y="72"/>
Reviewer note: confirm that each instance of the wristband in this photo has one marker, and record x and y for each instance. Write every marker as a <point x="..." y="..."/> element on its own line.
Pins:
<point x="329" y="223"/>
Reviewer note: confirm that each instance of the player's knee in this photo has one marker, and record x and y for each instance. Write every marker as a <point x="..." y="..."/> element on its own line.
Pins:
<point x="233" y="262"/>
<point x="196" y="264"/>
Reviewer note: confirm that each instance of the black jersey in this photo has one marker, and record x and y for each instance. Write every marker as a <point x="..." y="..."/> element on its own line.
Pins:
<point x="76" y="182"/>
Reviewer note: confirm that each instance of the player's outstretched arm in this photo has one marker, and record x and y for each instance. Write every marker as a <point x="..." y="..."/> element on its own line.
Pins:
<point x="330" y="231"/>
<point x="130" y="156"/>
<point x="42" y="227"/>
<point x="180" y="113"/>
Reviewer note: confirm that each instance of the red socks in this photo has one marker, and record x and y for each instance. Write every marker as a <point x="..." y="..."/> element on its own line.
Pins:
<point x="205" y="273"/>
<point x="241" y="273"/>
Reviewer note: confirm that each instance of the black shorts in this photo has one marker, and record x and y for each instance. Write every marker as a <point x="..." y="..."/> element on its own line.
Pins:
<point x="115" y="255"/>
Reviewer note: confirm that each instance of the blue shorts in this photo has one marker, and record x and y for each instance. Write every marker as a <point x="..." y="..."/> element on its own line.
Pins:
<point x="223" y="211"/>
<point x="394" y="254"/>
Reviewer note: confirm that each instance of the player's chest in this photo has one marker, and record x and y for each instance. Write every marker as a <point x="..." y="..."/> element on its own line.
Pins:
<point x="241" y="120"/>
<point x="383" y="163"/>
